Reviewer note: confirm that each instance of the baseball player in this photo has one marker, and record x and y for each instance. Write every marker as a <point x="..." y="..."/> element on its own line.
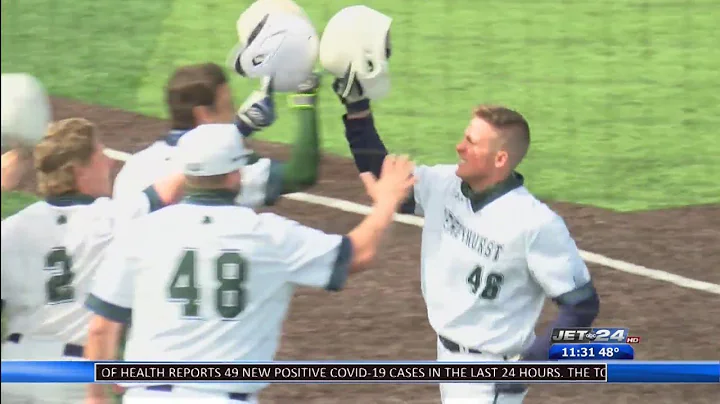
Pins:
<point x="491" y="252"/>
<point x="200" y="94"/>
<point x="51" y="250"/>
<point x="218" y="286"/>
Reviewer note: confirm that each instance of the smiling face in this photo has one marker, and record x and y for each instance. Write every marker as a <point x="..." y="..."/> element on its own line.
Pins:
<point x="480" y="152"/>
<point x="494" y="143"/>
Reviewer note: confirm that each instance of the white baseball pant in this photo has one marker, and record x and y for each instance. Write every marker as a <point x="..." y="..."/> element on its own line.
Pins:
<point x="182" y="395"/>
<point x="22" y="393"/>
<point x="472" y="393"/>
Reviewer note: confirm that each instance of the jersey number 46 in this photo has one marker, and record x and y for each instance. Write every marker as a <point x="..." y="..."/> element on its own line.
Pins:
<point x="230" y="272"/>
<point x="493" y="282"/>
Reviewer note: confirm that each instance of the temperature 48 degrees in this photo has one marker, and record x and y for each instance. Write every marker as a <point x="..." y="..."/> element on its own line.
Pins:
<point x="591" y="351"/>
<point x="608" y="352"/>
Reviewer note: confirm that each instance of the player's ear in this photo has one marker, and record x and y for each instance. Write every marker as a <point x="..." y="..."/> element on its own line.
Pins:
<point x="501" y="158"/>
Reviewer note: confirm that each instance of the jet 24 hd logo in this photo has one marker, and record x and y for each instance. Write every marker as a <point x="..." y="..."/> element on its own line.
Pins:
<point x="600" y="335"/>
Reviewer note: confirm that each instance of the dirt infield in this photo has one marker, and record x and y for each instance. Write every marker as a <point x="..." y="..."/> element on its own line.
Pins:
<point x="381" y="314"/>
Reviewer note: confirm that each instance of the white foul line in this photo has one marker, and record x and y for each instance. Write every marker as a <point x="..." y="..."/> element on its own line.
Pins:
<point x="622" y="266"/>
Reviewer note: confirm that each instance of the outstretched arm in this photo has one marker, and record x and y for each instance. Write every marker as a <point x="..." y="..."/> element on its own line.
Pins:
<point x="265" y="180"/>
<point x="300" y="171"/>
<point x="366" y="146"/>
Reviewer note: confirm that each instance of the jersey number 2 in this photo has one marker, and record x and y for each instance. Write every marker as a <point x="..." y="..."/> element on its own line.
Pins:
<point x="230" y="272"/>
<point x="493" y="283"/>
<point x="59" y="288"/>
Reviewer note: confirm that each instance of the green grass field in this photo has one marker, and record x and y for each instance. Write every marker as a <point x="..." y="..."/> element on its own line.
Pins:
<point x="619" y="93"/>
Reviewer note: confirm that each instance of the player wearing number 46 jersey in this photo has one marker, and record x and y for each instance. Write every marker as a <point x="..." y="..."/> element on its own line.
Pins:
<point x="491" y="252"/>
<point x="208" y="280"/>
<point x="51" y="249"/>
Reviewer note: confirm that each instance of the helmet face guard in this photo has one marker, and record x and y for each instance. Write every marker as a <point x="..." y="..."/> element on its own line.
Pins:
<point x="237" y="66"/>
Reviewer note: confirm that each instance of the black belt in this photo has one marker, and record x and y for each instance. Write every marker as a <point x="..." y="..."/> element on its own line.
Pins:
<point x="69" y="350"/>
<point x="455" y="347"/>
<point x="169" y="387"/>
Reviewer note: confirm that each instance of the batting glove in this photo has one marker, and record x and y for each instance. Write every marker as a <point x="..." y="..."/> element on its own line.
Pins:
<point x="351" y="93"/>
<point x="306" y="95"/>
<point x="258" y="110"/>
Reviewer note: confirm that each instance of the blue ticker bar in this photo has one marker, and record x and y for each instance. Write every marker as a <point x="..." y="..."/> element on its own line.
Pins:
<point x="663" y="372"/>
<point x="617" y="371"/>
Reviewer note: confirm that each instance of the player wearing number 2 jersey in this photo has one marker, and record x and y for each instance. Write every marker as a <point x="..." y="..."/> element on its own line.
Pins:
<point x="208" y="280"/>
<point x="51" y="249"/>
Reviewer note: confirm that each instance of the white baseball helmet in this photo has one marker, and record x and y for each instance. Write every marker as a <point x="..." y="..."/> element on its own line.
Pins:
<point x="26" y="111"/>
<point x="277" y="39"/>
<point x="356" y="42"/>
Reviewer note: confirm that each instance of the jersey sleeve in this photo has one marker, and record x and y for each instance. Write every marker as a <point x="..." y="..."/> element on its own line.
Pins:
<point x="427" y="180"/>
<point x="261" y="183"/>
<point x="555" y="263"/>
<point x="112" y="292"/>
<point x="312" y="257"/>
<point x="122" y="182"/>
<point x="135" y="204"/>
<point x="129" y="181"/>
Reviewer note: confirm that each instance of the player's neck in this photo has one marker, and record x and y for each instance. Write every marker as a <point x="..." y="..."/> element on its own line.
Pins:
<point x="483" y="192"/>
<point x="85" y="188"/>
<point x="484" y="184"/>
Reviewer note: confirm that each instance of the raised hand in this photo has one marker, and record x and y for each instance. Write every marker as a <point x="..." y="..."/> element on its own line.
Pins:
<point x="15" y="164"/>
<point x="396" y="181"/>
<point x="258" y="110"/>
<point x="350" y="92"/>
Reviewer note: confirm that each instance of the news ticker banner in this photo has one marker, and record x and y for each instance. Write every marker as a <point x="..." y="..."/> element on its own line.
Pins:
<point x="359" y="372"/>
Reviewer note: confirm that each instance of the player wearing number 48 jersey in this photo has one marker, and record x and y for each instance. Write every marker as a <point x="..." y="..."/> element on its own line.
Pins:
<point x="208" y="280"/>
<point x="51" y="249"/>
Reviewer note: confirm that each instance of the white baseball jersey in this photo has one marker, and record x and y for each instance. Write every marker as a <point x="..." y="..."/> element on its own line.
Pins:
<point x="208" y="281"/>
<point x="50" y="252"/>
<point x="486" y="273"/>
<point x="261" y="181"/>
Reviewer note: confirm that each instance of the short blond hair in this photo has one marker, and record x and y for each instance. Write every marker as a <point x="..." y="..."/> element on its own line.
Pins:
<point x="512" y="127"/>
<point x="67" y="144"/>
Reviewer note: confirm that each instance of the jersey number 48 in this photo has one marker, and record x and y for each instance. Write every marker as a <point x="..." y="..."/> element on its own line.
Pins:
<point x="230" y="272"/>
